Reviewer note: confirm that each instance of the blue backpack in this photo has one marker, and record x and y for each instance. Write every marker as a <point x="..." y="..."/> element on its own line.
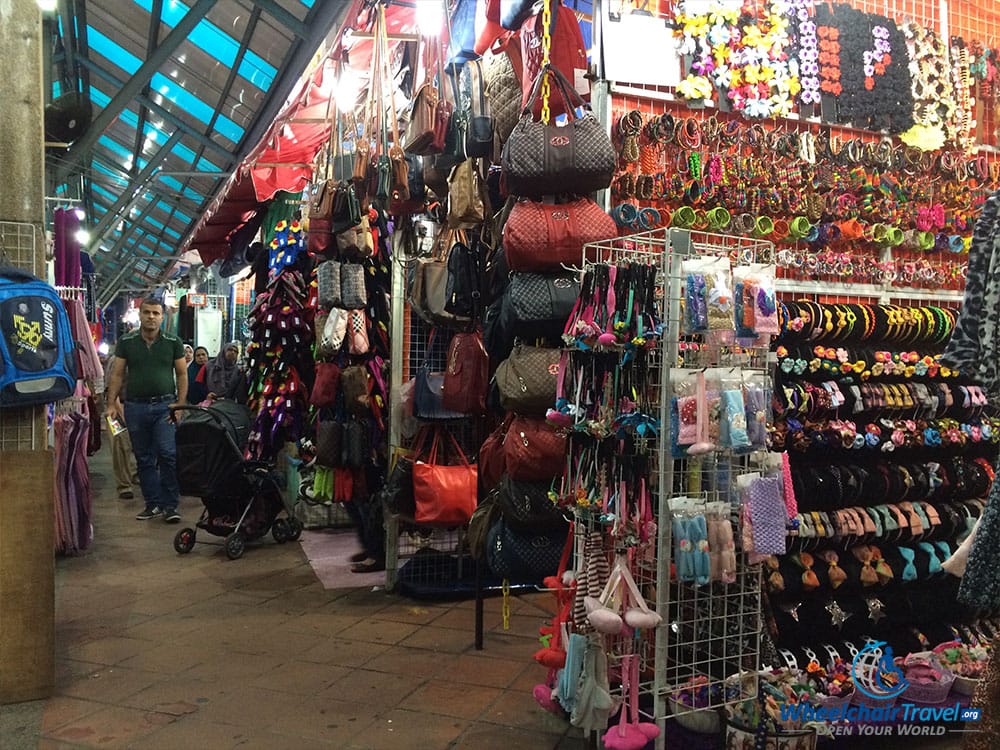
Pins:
<point x="37" y="353"/>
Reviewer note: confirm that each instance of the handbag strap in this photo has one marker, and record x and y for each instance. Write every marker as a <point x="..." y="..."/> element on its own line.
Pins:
<point x="569" y="94"/>
<point x="475" y="69"/>
<point x="396" y="150"/>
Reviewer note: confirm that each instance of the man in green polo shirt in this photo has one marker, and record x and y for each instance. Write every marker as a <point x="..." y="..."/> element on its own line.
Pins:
<point x="153" y="364"/>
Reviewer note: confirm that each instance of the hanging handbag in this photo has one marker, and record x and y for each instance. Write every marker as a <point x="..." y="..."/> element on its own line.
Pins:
<point x="526" y="506"/>
<point x="331" y="328"/>
<point x="429" y="291"/>
<point x="537" y="306"/>
<point x="462" y="293"/>
<point x="329" y="444"/>
<point x="491" y="457"/>
<point x="466" y="208"/>
<point x="353" y="295"/>
<point x="484" y="517"/>
<point x="567" y="54"/>
<point x="533" y="450"/>
<point x="356" y="241"/>
<point x="419" y="135"/>
<point x="479" y="129"/>
<point x="411" y="170"/>
<point x="328" y="284"/>
<point x="466" y="377"/>
<point x="527" y="380"/>
<point x="541" y="159"/>
<point x="453" y="152"/>
<point x="324" y="390"/>
<point x="346" y="208"/>
<point x="355" y="383"/>
<point x="355" y="445"/>
<point x="357" y="332"/>
<point x="545" y="237"/>
<point x="523" y="556"/>
<point x="502" y="78"/>
<point x="461" y="33"/>
<point x="397" y="492"/>
<point x="444" y="495"/>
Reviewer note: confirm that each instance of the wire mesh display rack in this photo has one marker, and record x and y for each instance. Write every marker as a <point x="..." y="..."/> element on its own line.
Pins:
<point x="21" y="429"/>
<point x="710" y="632"/>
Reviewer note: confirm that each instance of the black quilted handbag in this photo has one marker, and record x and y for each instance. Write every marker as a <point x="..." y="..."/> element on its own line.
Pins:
<point x="540" y="159"/>
<point x="355" y="445"/>
<point x="526" y="506"/>
<point x="523" y="556"/>
<point x="539" y="304"/>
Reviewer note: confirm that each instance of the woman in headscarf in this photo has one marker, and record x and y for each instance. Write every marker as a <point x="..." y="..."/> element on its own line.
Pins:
<point x="196" y="386"/>
<point x="222" y="373"/>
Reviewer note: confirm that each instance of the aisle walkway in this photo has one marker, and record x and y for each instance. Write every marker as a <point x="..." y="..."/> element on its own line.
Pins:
<point x="160" y="651"/>
<point x="156" y="651"/>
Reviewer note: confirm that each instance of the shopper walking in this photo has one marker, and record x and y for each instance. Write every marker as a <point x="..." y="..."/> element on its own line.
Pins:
<point x="222" y="372"/>
<point x="197" y="392"/>
<point x="153" y="364"/>
<point x="122" y="457"/>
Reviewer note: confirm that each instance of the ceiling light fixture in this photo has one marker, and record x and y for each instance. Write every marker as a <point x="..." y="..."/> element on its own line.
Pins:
<point x="82" y="236"/>
<point x="47" y="6"/>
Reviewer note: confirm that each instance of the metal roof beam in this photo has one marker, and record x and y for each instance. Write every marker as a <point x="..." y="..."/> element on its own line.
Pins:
<point x="162" y="112"/>
<point x="152" y="38"/>
<point x="137" y="186"/>
<point x="68" y="22"/>
<point x="283" y="17"/>
<point x="78" y="151"/>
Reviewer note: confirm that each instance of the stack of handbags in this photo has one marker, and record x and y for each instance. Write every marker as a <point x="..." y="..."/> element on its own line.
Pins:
<point x="533" y="306"/>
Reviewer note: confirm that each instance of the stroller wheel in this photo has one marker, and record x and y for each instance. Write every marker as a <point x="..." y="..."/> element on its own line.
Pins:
<point x="294" y="529"/>
<point x="235" y="544"/>
<point x="184" y="541"/>
<point x="281" y="531"/>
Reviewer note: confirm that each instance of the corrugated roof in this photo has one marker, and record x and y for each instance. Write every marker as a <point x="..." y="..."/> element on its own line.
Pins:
<point x="180" y="93"/>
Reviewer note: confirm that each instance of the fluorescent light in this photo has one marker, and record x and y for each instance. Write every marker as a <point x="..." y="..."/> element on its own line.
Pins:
<point x="47" y="6"/>
<point x="82" y="236"/>
<point x="430" y="17"/>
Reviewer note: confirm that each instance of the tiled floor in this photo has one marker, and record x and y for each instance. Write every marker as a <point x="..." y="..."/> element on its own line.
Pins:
<point x="181" y="653"/>
<point x="160" y="651"/>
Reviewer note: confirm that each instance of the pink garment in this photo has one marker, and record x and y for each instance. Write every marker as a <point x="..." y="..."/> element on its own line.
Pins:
<point x="90" y="362"/>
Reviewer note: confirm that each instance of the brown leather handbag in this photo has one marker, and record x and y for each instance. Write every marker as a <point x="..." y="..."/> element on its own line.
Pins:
<point x="533" y="450"/>
<point x="527" y="380"/>
<point x="466" y="207"/>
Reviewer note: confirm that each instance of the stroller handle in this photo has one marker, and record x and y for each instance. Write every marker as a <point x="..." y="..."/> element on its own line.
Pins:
<point x="213" y="414"/>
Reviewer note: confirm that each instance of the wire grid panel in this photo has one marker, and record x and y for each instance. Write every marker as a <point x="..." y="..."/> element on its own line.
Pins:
<point x="21" y="429"/>
<point x="712" y="631"/>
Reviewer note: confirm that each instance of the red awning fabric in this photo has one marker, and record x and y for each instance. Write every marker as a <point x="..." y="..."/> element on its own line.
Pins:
<point x="211" y="239"/>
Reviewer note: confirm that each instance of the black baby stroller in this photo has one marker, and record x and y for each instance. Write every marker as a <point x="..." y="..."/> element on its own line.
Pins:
<point x="242" y="498"/>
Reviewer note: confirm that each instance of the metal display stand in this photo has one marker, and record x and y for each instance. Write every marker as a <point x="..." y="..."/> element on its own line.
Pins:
<point x="708" y="631"/>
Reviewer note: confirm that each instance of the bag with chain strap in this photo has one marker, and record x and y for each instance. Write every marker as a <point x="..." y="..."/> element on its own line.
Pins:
<point x="567" y="54"/>
<point x="540" y="159"/>
<point x="466" y="377"/>
<point x="527" y="380"/>
<point x="523" y="555"/>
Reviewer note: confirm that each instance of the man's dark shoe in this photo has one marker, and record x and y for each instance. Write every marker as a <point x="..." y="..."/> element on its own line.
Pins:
<point x="172" y="516"/>
<point x="147" y="513"/>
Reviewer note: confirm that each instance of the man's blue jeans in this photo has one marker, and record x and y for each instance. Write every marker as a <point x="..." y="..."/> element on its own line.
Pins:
<point x="152" y="435"/>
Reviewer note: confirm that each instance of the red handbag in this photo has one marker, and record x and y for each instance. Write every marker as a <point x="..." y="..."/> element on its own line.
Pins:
<point x="492" y="464"/>
<point x="445" y="495"/>
<point x="568" y="54"/>
<point x="324" y="390"/>
<point x="541" y="237"/>
<point x="533" y="450"/>
<point x="466" y="378"/>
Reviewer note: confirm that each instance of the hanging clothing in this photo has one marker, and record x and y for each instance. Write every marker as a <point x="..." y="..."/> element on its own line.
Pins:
<point x="974" y="347"/>
<point x="974" y="350"/>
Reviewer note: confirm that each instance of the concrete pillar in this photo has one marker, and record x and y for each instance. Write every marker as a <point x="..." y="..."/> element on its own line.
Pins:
<point x="27" y="567"/>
